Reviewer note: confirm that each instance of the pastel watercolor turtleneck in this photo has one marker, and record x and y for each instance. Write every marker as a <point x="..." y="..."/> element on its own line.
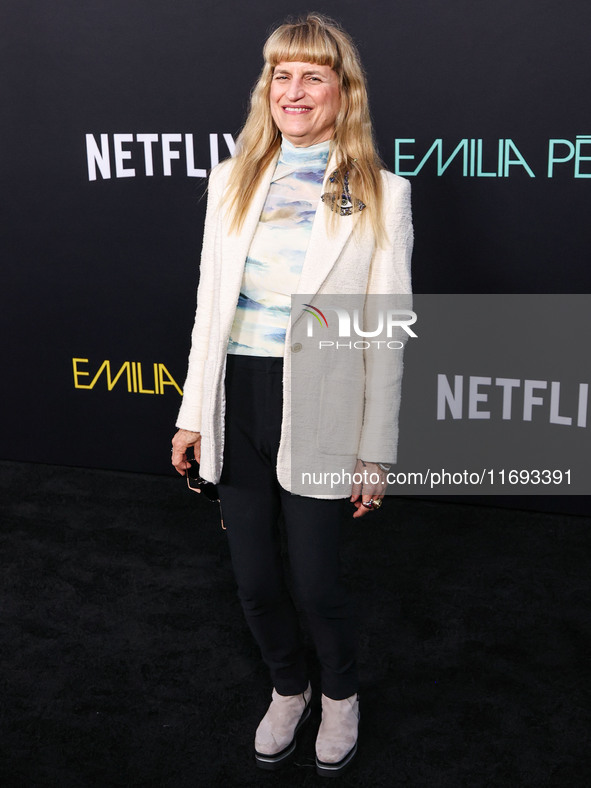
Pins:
<point x="276" y="255"/>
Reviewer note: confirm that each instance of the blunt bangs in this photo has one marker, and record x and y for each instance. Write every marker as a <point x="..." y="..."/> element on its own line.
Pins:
<point x="305" y="43"/>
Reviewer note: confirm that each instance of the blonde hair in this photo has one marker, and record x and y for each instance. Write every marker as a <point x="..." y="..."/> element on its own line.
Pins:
<point x="320" y="40"/>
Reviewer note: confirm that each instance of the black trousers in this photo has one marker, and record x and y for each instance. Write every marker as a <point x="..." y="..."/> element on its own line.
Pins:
<point x="252" y="501"/>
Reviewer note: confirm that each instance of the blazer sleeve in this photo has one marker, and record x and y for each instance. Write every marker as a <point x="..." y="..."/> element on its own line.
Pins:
<point x="389" y="275"/>
<point x="189" y="417"/>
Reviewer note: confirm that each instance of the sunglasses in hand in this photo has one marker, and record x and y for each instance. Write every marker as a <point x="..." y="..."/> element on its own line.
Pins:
<point x="196" y="483"/>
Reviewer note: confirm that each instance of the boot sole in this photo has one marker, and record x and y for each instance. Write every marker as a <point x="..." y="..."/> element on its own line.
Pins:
<point x="334" y="769"/>
<point x="279" y="759"/>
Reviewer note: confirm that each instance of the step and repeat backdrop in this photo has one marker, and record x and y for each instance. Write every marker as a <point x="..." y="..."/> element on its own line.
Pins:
<point x="114" y="113"/>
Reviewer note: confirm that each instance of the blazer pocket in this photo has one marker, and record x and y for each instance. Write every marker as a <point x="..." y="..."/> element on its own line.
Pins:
<point x="340" y="415"/>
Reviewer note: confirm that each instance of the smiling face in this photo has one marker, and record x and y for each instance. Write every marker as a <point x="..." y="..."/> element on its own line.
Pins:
<point x="305" y="101"/>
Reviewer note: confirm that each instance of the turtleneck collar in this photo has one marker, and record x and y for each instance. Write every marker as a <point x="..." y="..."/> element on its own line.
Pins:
<point x="297" y="157"/>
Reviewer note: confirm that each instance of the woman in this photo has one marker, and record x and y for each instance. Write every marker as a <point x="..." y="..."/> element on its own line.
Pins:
<point x="304" y="207"/>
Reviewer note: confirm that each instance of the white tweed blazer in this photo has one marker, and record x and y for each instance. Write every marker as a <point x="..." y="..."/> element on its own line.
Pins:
<point x="337" y="261"/>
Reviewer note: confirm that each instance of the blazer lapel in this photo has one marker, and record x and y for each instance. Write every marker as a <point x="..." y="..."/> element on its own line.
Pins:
<point x="325" y="246"/>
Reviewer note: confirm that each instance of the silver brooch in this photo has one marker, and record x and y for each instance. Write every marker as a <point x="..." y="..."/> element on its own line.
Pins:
<point x="346" y="204"/>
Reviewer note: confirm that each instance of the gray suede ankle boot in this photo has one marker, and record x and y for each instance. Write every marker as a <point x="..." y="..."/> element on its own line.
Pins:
<point x="336" y="744"/>
<point x="275" y="739"/>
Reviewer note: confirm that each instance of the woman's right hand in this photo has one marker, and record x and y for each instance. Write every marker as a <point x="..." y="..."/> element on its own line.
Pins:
<point x="180" y="443"/>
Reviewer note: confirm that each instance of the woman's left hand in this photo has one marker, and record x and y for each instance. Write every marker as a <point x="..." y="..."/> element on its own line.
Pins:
<point x="180" y="443"/>
<point x="371" y="487"/>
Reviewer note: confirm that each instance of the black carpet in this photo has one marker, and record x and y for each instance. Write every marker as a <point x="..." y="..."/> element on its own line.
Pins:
<point x="125" y="660"/>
